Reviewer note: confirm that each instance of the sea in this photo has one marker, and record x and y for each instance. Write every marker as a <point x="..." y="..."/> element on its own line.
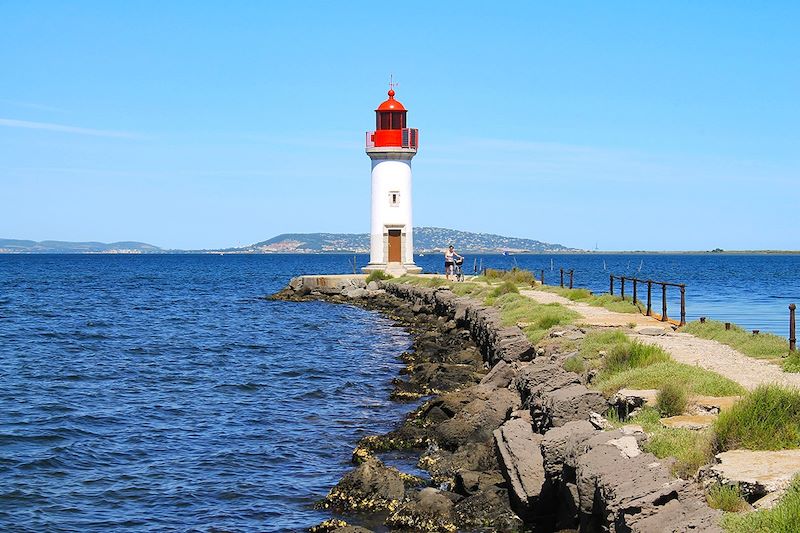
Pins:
<point x="166" y="393"/>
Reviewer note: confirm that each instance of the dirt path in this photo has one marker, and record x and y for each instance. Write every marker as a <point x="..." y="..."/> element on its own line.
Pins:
<point x="683" y="347"/>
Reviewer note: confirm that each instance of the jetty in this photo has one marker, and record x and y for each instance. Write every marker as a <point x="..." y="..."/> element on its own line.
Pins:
<point x="524" y="424"/>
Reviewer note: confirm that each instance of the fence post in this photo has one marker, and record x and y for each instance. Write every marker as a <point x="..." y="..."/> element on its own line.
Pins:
<point x="571" y="272"/>
<point x="663" y="302"/>
<point x="683" y="305"/>
<point x="792" y="338"/>
<point x="542" y="277"/>
<point x="562" y="277"/>
<point x="611" y="284"/>
<point x="622" y="287"/>
<point x="649" y="297"/>
<point x="634" y="290"/>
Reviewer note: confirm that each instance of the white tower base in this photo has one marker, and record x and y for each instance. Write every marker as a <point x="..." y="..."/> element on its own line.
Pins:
<point x="391" y="234"/>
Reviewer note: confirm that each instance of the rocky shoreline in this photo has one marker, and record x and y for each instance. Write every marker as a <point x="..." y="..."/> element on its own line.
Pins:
<point x="510" y="439"/>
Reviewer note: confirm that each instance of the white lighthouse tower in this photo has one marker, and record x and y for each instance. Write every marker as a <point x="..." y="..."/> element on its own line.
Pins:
<point x="391" y="147"/>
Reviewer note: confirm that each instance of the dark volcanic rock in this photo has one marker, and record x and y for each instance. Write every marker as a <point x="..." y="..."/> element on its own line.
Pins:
<point x="371" y="486"/>
<point x="488" y="510"/>
<point x="469" y="482"/>
<point x="477" y="420"/>
<point x="519" y="450"/>
<point x="443" y="465"/>
<point x="428" y="510"/>
<point x="575" y="402"/>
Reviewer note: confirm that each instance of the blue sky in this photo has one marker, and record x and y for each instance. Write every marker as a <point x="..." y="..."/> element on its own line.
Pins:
<point x="633" y="125"/>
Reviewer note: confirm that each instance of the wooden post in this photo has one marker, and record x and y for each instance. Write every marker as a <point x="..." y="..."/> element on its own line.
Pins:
<point x="562" y="277"/>
<point x="611" y="284"/>
<point x="792" y="338"/>
<point x="634" y="290"/>
<point x="663" y="302"/>
<point x="622" y="287"/>
<point x="571" y="272"/>
<point x="683" y="305"/>
<point x="542" y="275"/>
<point x="649" y="297"/>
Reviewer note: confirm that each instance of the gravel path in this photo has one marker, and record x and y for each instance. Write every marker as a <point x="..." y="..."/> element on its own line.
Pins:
<point x="683" y="347"/>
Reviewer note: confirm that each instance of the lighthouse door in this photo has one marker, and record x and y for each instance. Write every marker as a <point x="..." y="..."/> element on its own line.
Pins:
<point x="394" y="246"/>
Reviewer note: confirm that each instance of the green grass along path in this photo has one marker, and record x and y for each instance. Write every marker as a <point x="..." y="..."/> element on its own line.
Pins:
<point x="683" y="347"/>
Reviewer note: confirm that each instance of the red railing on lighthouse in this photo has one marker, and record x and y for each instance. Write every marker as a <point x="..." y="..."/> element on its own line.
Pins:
<point x="402" y="138"/>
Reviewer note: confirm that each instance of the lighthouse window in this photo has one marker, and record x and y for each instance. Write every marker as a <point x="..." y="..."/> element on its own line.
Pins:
<point x="394" y="198"/>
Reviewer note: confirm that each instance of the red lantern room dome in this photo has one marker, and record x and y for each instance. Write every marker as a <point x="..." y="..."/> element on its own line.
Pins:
<point x="391" y="130"/>
<point x="391" y="104"/>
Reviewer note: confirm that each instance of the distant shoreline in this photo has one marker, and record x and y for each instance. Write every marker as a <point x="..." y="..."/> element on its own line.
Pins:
<point x="431" y="252"/>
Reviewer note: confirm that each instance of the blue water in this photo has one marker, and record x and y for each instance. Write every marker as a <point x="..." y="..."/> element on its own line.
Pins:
<point x="162" y="393"/>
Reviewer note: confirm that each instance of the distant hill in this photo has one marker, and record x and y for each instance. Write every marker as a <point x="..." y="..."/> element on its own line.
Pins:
<point x="63" y="247"/>
<point x="426" y="239"/>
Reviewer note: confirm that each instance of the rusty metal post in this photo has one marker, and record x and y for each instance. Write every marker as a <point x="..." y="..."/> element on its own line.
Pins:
<point x="622" y="287"/>
<point x="663" y="302"/>
<point x="562" y="277"/>
<point x="571" y="272"/>
<point x="683" y="305"/>
<point x="634" y="290"/>
<point x="542" y="276"/>
<point x="792" y="338"/>
<point x="611" y="284"/>
<point x="649" y="297"/>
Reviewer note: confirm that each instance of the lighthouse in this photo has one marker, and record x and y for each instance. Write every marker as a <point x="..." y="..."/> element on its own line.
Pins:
<point x="391" y="147"/>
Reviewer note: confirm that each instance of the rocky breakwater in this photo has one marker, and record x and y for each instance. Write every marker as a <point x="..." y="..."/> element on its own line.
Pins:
<point x="510" y="439"/>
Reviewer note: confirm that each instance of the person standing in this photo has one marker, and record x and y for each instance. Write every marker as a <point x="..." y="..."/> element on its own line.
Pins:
<point x="450" y="257"/>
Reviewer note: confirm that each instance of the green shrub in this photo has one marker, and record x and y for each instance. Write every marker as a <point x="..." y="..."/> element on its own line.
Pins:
<point x="766" y="419"/>
<point x="783" y="518"/>
<point x="378" y="275"/>
<point x="727" y="498"/>
<point x="671" y="399"/>
<point x="504" y="288"/>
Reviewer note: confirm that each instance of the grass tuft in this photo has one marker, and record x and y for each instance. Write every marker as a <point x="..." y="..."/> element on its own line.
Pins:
<point x="671" y="399"/>
<point x="632" y="354"/>
<point x="506" y="287"/>
<point x="378" y="275"/>
<point x="783" y="518"/>
<point x="727" y="498"/>
<point x="575" y="363"/>
<point x="767" y="418"/>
